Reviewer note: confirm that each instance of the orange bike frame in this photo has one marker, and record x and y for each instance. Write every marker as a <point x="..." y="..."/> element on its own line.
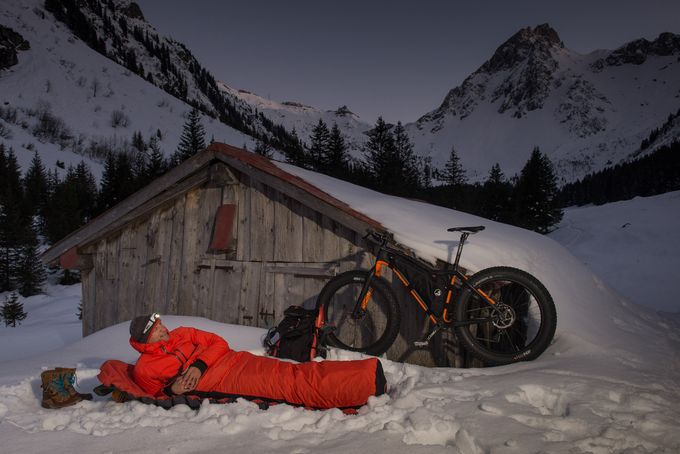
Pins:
<point x="381" y="264"/>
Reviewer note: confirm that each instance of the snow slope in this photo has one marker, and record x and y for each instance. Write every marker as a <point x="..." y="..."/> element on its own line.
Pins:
<point x="633" y="245"/>
<point x="608" y="383"/>
<point x="59" y="74"/>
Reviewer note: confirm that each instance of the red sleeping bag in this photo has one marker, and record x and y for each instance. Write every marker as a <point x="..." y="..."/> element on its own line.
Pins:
<point x="231" y="374"/>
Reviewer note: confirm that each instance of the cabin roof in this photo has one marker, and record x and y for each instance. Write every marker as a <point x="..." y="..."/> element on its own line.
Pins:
<point x="196" y="171"/>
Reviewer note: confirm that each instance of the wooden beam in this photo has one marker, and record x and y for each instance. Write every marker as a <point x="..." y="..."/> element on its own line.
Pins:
<point x="221" y="175"/>
<point x="161" y="184"/>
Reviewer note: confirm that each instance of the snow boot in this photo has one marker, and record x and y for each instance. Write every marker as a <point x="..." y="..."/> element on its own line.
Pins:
<point x="58" y="391"/>
<point x="72" y="379"/>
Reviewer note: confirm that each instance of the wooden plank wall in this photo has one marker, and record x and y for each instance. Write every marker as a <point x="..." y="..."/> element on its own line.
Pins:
<point x="283" y="254"/>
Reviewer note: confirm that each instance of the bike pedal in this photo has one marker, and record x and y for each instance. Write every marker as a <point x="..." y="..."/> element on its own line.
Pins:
<point x="421" y="343"/>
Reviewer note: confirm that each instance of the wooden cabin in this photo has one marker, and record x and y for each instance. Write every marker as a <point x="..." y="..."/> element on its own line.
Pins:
<point x="226" y="235"/>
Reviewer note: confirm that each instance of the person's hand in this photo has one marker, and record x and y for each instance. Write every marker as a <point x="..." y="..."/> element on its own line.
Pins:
<point x="189" y="379"/>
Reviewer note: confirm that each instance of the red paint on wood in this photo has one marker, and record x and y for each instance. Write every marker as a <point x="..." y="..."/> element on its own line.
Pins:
<point x="69" y="259"/>
<point x="224" y="222"/>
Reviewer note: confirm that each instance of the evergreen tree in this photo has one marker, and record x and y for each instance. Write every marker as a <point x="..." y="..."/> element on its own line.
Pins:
<point x="118" y="180"/>
<point x="318" y="148"/>
<point x="156" y="165"/>
<point x="13" y="219"/>
<point x="455" y="180"/>
<point x="536" y="205"/>
<point x="406" y="160"/>
<point x="63" y="214"/>
<point x="453" y="173"/>
<point x="138" y="141"/>
<point x="3" y="166"/>
<point x="379" y="153"/>
<point x="86" y="189"/>
<point x="496" y="198"/>
<point x="193" y="138"/>
<point x="30" y="272"/>
<point x="10" y="184"/>
<point x="12" y="310"/>
<point x="337" y="158"/>
<point x="391" y="161"/>
<point x="35" y="189"/>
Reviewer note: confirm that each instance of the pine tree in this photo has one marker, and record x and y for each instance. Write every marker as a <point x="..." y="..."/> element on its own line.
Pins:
<point x="406" y="160"/>
<point x="337" y="157"/>
<point x="86" y="189"/>
<point x="14" y="219"/>
<point x="318" y="148"/>
<point x="10" y="184"/>
<point x="391" y="161"/>
<point x="193" y="138"/>
<point x="156" y="165"/>
<point x="30" y="272"/>
<point x="12" y="310"/>
<point x="118" y="181"/>
<point x="379" y="152"/>
<point x="496" y="203"/>
<point x="536" y="205"/>
<point x="453" y="173"/>
<point x="63" y="214"/>
<point x="138" y="141"/>
<point x="35" y="189"/>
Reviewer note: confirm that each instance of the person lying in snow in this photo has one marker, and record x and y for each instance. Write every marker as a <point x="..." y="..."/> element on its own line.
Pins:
<point x="187" y="360"/>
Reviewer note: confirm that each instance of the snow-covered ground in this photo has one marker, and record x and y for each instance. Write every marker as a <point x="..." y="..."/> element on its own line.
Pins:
<point x="634" y="245"/>
<point x="607" y="384"/>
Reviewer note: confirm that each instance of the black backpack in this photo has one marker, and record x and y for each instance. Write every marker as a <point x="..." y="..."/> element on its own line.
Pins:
<point x="299" y="336"/>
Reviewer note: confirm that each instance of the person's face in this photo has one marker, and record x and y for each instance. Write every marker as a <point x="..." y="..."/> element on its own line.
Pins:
<point x="159" y="333"/>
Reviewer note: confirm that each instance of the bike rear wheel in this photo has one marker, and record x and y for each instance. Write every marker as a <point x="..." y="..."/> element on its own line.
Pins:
<point x="518" y="328"/>
<point x="371" y="332"/>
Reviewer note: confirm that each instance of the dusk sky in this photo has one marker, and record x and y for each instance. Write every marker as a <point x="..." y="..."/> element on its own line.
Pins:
<point x="397" y="59"/>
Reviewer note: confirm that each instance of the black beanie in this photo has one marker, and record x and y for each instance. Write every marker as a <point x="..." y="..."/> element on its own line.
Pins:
<point x="137" y="326"/>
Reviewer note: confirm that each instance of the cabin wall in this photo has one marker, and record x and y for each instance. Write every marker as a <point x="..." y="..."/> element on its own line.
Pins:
<point x="282" y="253"/>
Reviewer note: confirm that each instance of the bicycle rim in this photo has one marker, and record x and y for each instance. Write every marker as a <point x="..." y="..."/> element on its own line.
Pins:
<point x="365" y="333"/>
<point x="512" y="327"/>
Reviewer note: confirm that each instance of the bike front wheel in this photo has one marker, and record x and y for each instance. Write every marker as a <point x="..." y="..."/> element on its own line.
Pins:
<point x="371" y="331"/>
<point x="518" y="327"/>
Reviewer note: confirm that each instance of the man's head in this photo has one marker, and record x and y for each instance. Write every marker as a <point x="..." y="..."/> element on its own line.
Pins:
<point x="147" y="329"/>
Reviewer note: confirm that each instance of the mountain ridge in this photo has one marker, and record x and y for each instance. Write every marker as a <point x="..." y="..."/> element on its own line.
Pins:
<point x="585" y="111"/>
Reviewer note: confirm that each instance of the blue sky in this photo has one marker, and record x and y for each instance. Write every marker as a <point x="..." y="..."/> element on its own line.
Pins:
<point x="397" y="58"/>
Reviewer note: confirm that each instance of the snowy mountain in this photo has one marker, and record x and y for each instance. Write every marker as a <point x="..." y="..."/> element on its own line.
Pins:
<point x="301" y="118"/>
<point x="584" y="111"/>
<point x="78" y="78"/>
<point x="60" y="95"/>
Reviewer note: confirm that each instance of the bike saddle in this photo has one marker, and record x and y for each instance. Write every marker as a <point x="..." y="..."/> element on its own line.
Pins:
<point x="475" y="229"/>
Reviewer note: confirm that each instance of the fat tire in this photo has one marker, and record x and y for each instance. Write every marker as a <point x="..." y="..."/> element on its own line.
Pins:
<point x="387" y="302"/>
<point x="544" y="301"/>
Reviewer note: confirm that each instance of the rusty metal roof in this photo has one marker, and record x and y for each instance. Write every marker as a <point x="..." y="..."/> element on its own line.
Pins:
<point x="266" y="165"/>
<point x="183" y="174"/>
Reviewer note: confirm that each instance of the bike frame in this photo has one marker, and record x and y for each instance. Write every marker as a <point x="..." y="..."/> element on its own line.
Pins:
<point x="388" y="258"/>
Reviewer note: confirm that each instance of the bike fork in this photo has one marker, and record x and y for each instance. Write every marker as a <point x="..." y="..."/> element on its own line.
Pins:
<point x="366" y="291"/>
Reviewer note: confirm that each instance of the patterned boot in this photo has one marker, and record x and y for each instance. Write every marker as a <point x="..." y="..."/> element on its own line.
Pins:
<point x="58" y="389"/>
<point x="71" y="375"/>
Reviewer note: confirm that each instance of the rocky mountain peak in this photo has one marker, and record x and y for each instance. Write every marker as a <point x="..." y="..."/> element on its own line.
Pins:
<point x="636" y="52"/>
<point x="526" y="42"/>
<point x="133" y="11"/>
